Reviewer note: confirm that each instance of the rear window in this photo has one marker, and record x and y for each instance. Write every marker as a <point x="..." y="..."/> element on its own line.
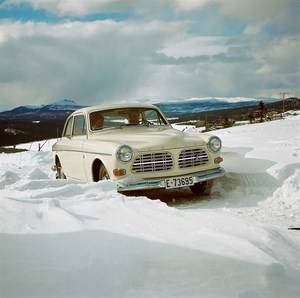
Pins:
<point x="68" y="129"/>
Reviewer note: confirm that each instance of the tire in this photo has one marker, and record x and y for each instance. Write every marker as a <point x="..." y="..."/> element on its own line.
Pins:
<point x="59" y="171"/>
<point x="202" y="188"/>
<point x="103" y="174"/>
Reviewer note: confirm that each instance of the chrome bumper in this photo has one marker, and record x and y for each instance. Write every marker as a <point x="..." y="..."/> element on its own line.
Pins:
<point x="133" y="183"/>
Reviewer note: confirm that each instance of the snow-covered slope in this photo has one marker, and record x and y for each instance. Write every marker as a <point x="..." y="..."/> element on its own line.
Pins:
<point x="64" y="104"/>
<point x="72" y="239"/>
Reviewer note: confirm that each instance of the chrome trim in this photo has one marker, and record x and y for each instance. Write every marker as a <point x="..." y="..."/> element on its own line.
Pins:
<point x="209" y="144"/>
<point x="132" y="183"/>
<point x="118" y="152"/>
<point x="192" y="158"/>
<point x="91" y="152"/>
<point x="152" y="162"/>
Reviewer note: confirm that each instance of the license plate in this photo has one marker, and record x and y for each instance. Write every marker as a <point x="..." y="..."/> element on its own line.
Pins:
<point x="179" y="182"/>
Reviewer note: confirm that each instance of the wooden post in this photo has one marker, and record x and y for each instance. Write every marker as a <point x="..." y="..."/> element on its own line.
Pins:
<point x="283" y="94"/>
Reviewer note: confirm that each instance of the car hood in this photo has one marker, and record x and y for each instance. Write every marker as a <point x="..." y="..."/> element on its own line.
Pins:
<point x="150" y="138"/>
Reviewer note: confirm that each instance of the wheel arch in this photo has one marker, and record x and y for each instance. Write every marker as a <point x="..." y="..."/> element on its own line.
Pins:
<point x="95" y="169"/>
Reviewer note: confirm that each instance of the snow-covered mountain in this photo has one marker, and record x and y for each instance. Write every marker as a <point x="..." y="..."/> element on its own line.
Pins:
<point x="170" y="108"/>
<point x="196" y="105"/>
<point x="64" y="104"/>
<point x="57" y="109"/>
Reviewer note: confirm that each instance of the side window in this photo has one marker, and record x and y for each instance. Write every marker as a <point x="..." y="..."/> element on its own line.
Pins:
<point x="79" y="127"/>
<point x="152" y="117"/>
<point x="68" y="129"/>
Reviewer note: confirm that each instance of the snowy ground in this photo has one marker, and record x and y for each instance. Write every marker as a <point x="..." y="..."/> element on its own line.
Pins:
<point x="71" y="239"/>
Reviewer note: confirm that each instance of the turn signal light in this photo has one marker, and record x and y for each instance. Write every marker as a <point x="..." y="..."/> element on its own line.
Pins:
<point x="218" y="159"/>
<point x="119" y="172"/>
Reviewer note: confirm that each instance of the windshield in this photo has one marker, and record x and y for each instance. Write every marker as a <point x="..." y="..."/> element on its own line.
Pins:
<point x="126" y="117"/>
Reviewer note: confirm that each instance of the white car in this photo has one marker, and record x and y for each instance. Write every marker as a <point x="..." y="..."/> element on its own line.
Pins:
<point x="136" y="146"/>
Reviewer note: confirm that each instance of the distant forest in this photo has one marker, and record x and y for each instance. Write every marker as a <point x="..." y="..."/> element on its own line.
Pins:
<point x="20" y="130"/>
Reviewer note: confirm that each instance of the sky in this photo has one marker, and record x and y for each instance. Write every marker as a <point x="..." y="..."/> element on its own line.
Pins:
<point x="96" y="51"/>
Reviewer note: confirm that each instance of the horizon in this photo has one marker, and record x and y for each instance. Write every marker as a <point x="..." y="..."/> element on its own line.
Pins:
<point x="109" y="51"/>
<point x="229" y="100"/>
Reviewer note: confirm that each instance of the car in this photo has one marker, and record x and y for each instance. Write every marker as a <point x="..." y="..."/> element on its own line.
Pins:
<point x="135" y="145"/>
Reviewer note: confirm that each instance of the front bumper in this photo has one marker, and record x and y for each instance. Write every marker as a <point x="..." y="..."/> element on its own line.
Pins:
<point x="133" y="183"/>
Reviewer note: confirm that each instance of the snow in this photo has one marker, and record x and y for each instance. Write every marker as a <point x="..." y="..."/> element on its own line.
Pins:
<point x="63" y="238"/>
<point x="234" y="99"/>
<point x="64" y="104"/>
<point x="46" y="145"/>
<point x="34" y="107"/>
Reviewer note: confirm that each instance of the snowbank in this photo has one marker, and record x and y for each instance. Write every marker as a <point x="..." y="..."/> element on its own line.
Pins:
<point x="71" y="239"/>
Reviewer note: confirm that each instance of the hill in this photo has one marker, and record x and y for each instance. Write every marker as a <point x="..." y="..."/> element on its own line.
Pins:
<point x="31" y="123"/>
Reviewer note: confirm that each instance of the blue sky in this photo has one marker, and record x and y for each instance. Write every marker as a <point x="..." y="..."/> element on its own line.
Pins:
<point x="104" y="51"/>
<point x="25" y="12"/>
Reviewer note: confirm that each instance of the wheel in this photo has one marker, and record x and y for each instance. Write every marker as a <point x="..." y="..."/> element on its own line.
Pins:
<point x="103" y="174"/>
<point x="59" y="171"/>
<point x="202" y="188"/>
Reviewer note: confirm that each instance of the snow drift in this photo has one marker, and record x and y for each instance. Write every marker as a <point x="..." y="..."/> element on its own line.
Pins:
<point x="71" y="239"/>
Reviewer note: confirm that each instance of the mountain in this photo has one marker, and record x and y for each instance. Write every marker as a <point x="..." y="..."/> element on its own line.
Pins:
<point x="55" y="110"/>
<point x="31" y="123"/>
<point x="35" y="122"/>
<point x="61" y="108"/>
<point x="62" y="105"/>
<point x="196" y="105"/>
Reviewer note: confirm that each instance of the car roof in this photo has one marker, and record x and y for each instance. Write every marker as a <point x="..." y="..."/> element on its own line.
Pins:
<point x="114" y="106"/>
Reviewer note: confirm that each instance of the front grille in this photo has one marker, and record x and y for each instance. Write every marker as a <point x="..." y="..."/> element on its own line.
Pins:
<point x="192" y="158"/>
<point x="153" y="162"/>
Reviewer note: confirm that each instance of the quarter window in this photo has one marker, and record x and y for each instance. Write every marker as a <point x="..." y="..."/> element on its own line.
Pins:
<point x="79" y="127"/>
<point x="152" y="117"/>
<point x="68" y="129"/>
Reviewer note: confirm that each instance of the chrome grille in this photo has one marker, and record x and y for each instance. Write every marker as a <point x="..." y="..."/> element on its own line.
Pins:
<point x="152" y="162"/>
<point x="192" y="158"/>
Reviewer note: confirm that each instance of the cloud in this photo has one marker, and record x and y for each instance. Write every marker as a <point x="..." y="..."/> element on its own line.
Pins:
<point x="256" y="9"/>
<point x="90" y="61"/>
<point x="248" y="10"/>
<point x="157" y="52"/>
<point x="84" y="7"/>
<point x="199" y="80"/>
<point x="252" y="69"/>
<point x="162" y="59"/>
<point x="281" y="56"/>
<point x="66" y="7"/>
<point x="245" y="9"/>
<point x="253" y="29"/>
<point x="100" y="61"/>
<point x="189" y="5"/>
<point x="189" y="46"/>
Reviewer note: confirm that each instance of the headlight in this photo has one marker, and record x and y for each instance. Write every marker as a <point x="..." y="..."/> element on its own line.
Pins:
<point x="214" y="144"/>
<point x="124" y="153"/>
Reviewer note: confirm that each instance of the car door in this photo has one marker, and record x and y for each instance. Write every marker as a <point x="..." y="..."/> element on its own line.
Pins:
<point x="71" y="155"/>
<point x="79" y="135"/>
